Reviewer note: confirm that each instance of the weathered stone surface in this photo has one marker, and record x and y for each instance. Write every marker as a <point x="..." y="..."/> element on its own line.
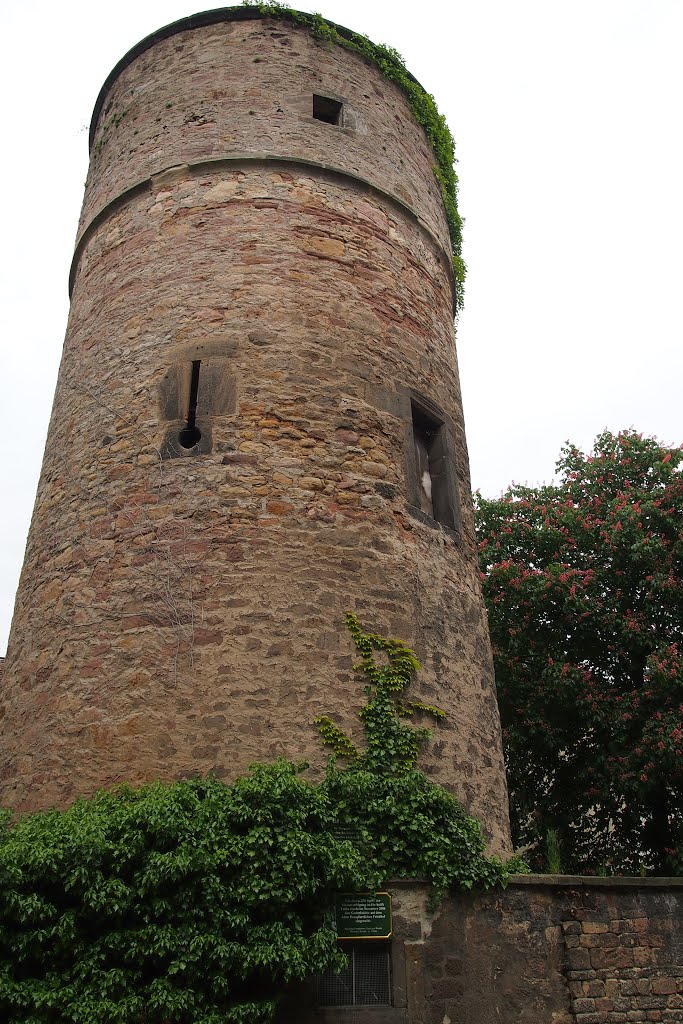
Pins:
<point x="501" y="957"/>
<point x="164" y="586"/>
<point x="235" y="89"/>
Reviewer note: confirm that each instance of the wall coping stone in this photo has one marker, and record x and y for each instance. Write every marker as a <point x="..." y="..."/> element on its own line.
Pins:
<point x="598" y="881"/>
<point x="556" y="882"/>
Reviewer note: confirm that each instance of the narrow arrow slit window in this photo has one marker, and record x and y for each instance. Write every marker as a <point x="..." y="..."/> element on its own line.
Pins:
<point x="190" y="435"/>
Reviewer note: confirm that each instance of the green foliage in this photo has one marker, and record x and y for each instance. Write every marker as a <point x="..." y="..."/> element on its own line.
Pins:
<point x="200" y="902"/>
<point x="408" y="826"/>
<point x="422" y="104"/>
<point x="584" y="586"/>
<point x="553" y="852"/>
<point x="392" y="746"/>
<point x="194" y="902"/>
<point x="107" y="129"/>
<point x="336" y="738"/>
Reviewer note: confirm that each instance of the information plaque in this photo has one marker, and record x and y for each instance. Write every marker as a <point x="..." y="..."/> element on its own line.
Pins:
<point x="363" y="915"/>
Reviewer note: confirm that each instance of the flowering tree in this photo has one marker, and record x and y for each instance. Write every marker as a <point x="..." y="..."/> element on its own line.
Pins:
<point x="584" y="586"/>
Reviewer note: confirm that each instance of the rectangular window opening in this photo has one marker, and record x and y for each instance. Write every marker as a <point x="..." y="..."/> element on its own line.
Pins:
<point x="433" y="483"/>
<point x="328" y="110"/>
<point x="365" y="981"/>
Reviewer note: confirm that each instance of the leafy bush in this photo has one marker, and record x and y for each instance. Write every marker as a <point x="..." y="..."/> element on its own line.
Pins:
<point x="190" y="902"/>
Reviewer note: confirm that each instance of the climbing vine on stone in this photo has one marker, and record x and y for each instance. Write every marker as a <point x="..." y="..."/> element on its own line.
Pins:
<point x="407" y="825"/>
<point x="392" y="745"/>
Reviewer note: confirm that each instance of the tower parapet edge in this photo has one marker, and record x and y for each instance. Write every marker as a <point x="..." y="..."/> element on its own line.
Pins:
<point x="263" y="259"/>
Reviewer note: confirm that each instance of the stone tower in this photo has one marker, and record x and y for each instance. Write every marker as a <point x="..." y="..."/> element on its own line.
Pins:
<point x="257" y="427"/>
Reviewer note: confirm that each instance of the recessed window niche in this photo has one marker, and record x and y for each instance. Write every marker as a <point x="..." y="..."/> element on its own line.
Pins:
<point x="192" y="394"/>
<point x="328" y="110"/>
<point x="431" y="467"/>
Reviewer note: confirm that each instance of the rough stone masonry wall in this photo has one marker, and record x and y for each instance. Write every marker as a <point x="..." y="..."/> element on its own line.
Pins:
<point x="625" y="957"/>
<point x="181" y="615"/>
<point x="547" y="950"/>
<point x="245" y="87"/>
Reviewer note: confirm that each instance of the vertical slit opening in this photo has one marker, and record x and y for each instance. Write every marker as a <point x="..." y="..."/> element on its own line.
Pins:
<point x="190" y="435"/>
<point x="425" y="433"/>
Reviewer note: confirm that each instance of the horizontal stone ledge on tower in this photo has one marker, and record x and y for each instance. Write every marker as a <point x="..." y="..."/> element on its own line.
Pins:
<point x="168" y="175"/>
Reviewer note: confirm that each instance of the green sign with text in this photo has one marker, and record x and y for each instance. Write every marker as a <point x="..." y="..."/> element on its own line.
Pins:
<point x="363" y="915"/>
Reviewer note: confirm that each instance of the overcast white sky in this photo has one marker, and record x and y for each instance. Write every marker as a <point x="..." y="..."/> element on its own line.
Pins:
<point x="567" y="119"/>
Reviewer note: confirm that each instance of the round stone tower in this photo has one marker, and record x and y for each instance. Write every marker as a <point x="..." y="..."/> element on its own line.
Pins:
<point x="257" y="427"/>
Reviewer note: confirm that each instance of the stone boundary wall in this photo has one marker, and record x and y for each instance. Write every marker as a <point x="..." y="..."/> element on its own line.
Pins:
<point x="558" y="950"/>
<point x="549" y="949"/>
<point x="624" y="955"/>
<point x="553" y="949"/>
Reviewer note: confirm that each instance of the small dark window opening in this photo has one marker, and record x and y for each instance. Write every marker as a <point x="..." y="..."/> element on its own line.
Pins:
<point x="190" y="435"/>
<point x="325" y="109"/>
<point x="365" y="981"/>
<point x="433" y="484"/>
